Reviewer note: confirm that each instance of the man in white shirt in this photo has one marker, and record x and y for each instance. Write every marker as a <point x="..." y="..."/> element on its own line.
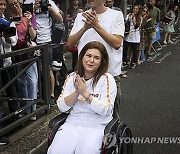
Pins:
<point x="44" y="26"/>
<point x="106" y="26"/>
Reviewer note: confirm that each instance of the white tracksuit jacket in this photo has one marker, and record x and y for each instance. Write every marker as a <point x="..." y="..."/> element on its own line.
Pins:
<point x="99" y="112"/>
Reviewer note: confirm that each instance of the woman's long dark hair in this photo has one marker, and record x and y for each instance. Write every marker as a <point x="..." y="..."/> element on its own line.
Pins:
<point x="138" y="15"/>
<point x="104" y="60"/>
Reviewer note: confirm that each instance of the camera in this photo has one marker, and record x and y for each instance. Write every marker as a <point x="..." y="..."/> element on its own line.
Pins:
<point x="5" y="26"/>
<point x="44" y="5"/>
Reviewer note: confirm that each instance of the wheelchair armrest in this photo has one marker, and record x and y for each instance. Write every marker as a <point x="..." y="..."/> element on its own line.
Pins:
<point x="59" y="119"/>
<point x="111" y="126"/>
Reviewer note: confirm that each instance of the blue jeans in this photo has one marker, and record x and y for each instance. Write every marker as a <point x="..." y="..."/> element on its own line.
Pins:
<point x="27" y="86"/>
<point x="142" y="56"/>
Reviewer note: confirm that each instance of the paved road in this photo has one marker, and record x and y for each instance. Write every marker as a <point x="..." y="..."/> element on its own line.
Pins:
<point x="151" y="100"/>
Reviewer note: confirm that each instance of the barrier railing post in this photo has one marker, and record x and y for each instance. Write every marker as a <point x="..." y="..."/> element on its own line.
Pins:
<point x="46" y="75"/>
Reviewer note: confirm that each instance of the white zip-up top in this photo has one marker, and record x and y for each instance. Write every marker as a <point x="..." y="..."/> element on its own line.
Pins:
<point x="6" y="47"/>
<point x="96" y="114"/>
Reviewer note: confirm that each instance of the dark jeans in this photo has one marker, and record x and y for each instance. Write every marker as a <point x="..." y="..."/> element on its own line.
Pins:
<point x="134" y="47"/>
<point x="116" y="112"/>
<point x="11" y="91"/>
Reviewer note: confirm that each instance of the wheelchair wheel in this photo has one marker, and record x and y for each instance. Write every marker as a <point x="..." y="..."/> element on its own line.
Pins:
<point x="124" y="131"/>
<point x="54" y="124"/>
<point x="117" y="142"/>
<point x="52" y="133"/>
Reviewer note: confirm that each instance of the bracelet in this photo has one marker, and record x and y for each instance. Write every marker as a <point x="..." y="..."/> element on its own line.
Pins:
<point x="88" y="99"/>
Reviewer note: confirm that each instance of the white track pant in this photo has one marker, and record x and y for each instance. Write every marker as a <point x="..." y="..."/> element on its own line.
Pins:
<point x="71" y="139"/>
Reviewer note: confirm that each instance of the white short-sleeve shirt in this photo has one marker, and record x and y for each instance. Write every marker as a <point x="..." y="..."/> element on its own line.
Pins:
<point x="134" y="35"/>
<point x="113" y="22"/>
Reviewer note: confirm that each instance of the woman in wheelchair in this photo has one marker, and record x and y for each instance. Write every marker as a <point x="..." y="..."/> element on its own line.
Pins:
<point x="89" y="93"/>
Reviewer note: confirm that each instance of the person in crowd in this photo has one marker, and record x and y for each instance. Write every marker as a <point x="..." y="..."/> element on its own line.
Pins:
<point x="5" y="46"/>
<point x="141" y="47"/>
<point x="154" y="11"/>
<point x="71" y="14"/>
<point x="169" y="28"/>
<point x="44" y="27"/>
<point x="92" y="25"/>
<point x="155" y="14"/>
<point x="110" y="4"/>
<point x="147" y="27"/>
<point x="58" y="36"/>
<point x="159" y="5"/>
<point x="90" y="94"/>
<point x="132" y="39"/>
<point x="59" y="27"/>
<point x="27" y="82"/>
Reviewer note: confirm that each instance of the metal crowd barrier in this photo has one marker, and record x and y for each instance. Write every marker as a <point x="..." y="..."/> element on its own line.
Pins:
<point x="43" y="100"/>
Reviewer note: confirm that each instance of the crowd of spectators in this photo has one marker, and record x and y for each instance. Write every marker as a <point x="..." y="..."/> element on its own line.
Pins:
<point x="143" y="21"/>
<point x="37" y="26"/>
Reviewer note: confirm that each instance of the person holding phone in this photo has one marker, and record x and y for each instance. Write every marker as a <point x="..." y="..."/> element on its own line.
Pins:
<point x="44" y="13"/>
<point x="26" y="30"/>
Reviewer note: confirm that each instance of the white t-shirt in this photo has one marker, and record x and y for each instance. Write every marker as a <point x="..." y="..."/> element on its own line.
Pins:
<point x="44" y="23"/>
<point x="99" y="112"/>
<point x="113" y="22"/>
<point x="134" y="35"/>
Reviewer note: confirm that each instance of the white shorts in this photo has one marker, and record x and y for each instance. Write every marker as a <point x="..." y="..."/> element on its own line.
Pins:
<point x="71" y="139"/>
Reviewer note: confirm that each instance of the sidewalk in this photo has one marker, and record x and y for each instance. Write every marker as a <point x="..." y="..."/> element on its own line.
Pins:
<point x="31" y="139"/>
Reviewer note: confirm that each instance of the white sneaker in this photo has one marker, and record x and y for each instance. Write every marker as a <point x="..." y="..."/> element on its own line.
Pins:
<point x="33" y="118"/>
<point x="4" y="141"/>
<point x="164" y="42"/>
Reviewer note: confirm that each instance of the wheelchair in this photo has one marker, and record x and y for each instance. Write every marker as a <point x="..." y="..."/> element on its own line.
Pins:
<point x="114" y="133"/>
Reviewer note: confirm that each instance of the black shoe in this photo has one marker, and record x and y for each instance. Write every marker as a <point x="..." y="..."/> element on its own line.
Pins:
<point x="53" y="102"/>
<point x="4" y="141"/>
<point x="124" y="65"/>
<point x="132" y="65"/>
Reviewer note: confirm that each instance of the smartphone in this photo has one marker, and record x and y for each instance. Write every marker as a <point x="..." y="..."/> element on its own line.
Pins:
<point x="27" y="7"/>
